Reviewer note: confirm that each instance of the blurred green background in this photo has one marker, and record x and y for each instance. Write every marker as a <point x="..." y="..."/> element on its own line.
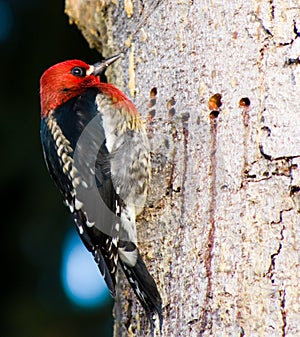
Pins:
<point x="33" y="36"/>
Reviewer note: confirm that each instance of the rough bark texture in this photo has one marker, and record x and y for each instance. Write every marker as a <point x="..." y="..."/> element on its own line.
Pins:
<point x="221" y="231"/>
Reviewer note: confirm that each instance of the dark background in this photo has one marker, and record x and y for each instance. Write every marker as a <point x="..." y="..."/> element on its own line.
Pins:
<point x="34" y="35"/>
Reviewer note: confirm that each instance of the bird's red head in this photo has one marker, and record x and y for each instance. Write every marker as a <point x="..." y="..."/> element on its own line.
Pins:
<point x="68" y="79"/>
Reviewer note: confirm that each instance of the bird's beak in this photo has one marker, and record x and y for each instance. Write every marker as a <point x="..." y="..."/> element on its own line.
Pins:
<point x="99" y="67"/>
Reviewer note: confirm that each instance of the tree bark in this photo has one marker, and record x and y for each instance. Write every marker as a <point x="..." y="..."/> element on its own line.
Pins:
<point x="220" y="232"/>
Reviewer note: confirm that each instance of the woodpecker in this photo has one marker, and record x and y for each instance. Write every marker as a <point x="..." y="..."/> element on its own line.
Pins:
<point x="97" y="152"/>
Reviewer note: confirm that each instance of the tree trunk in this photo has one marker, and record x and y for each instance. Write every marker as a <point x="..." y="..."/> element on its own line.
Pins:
<point x="218" y="83"/>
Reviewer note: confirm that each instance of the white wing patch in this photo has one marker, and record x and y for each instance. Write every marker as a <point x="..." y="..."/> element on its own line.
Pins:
<point x="78" y="204"/>
<point x="128" y="257"/>
<point x="90" y="224"/>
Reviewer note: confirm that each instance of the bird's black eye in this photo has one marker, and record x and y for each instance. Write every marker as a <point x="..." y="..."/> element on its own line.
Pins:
<point x="78" y="71"/>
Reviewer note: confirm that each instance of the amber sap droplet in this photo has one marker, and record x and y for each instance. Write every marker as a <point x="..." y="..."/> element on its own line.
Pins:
<point x="215" y="103"/>
<point x="171" y="103"/>
<point x="214" y="114"/>
<point x="153" y="92"/>
<point x="152" y="102"/>
<point x="244" y="102"/>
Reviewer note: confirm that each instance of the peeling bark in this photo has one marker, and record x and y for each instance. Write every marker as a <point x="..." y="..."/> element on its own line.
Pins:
<point x="220" y="232"/>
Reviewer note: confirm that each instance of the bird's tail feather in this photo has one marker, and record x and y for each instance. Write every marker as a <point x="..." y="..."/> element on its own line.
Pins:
<point x="146" y="290"/>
